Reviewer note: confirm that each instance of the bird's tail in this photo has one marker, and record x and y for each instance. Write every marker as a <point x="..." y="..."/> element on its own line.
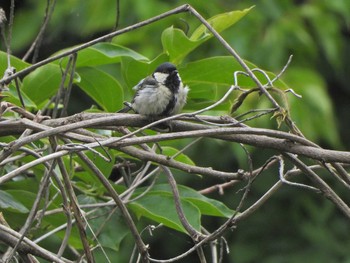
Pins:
<point x="127" y="108"/>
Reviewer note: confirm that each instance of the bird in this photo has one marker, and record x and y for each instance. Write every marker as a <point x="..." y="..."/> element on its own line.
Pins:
<point x="161" y="94"/>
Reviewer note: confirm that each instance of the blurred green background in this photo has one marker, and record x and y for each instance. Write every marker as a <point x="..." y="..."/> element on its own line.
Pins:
<point x="295" y="225"/>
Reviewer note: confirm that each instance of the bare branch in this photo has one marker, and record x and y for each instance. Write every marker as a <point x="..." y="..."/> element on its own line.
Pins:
<point x="235" y="55"/>
<point x="24" y="230"/>
<point x="183" y="8"/>
<point x="142" y="248"/>
<point x="74" y="205"/>
<point x="37" y="42"/>
<point x="11" y="237"/>
<point x="34" y="128"/>
<point x="326" y="190"/>
<point x="192" y="231"/>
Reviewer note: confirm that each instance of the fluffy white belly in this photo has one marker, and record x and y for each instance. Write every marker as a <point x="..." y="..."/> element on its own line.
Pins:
<point x="151" y="101"/>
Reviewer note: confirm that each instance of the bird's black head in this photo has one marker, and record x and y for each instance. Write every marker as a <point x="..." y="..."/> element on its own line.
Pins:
<point x="166" y="67"/>
<point x="167" y="74"/>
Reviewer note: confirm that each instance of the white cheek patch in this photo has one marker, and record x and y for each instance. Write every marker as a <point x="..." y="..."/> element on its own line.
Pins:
<point x="160" y="77"/>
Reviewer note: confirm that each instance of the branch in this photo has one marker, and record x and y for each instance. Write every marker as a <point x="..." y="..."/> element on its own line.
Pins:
<point x="326" y="190"/>
<point x="143" y="250"/>
<point x="180" y="9"/>
<point x="11" y="237"/>
<point x="74" y="205"/>
<point x="37" y="42"/>
<point x="252" y="136"/>
<point x="195" y="235"/>
<point x="24" y="230"/>
<point x="235" y="55"/>
<point x="164" y="160"/>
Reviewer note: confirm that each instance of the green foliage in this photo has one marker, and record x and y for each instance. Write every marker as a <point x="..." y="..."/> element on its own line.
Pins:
<point x="10" y="203"/>
<point x="106" y="72"/>
<point x="176" y="155"/>
<point x="164" y="212"/>
<point x="313" y="91"/>
<point x="15" y="62"/>
<point x="219" y="22"/>
<point x="178" y="45"/>
<point x="102" y="88"/>
<point x="194" y="205"/>
<point x="88" y="181"/>
<point x="104" y="53"/>
<point x="206" y="206"/>
<point x="93" y="76"/>
<point x="208" y="78"/>
<point x="42" y="83"/>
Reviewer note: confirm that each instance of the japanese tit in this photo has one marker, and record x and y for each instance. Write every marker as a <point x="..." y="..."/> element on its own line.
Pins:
<point x="160" y="94"/>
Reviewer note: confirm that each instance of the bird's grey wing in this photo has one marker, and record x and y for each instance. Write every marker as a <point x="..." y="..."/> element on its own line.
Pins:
<point x="146" y="82"/>
<point x="127" y="108"/>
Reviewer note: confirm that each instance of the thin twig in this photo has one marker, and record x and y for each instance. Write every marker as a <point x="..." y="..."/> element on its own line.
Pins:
<point x="3" y="34"/>
<point x="61" y="88"/>
<point x="326" y="190"/>
<point x="11" y="237"/>
<point x="37" y="42"/>
<point x="142" y="248"/>
<point x="24" y="230"/>
<point x="69" y="87"/>
<point x="180" y="9"/>
<point x="283" y="69"/>
<point x="9" y="35"/>
<point x="20" y="97"/>
<point x="117" y="15"/>
<point x="285" y="181"/>
<point x="75" y="206"/>
<point x="235" y="55"/>
<point x="195" y="235"/>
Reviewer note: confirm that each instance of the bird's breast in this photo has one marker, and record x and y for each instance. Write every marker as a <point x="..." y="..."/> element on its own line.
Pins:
<point x="152" y="100"/>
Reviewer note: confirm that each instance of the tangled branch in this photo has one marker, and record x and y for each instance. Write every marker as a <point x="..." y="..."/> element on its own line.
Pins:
<point x="84" y="129"/>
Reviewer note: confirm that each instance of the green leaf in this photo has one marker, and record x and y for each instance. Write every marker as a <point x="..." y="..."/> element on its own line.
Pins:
<point x="220" y="70"/>
<point x="42" y="83"/>
<point x="219" y="23"/>
<point x="210" y="78"/>
<point x="202" y="95"/>
<point x="13" y="97"/>
<point x="164" y="212"/>
<point x="27" y="185"/>
<point x="214" y="70"/>
<point x="8" y="202"/>
<point x="170" y="151"/>
<point x="177" y="45"/>
<point x="135" y="70"/>
<point x="207" y="206"/>
<point x="315" y="99"/>
<point x="104" y="53"/>
<point x="161" y="208"/>
<point x="107" y="225"/>
<point x="74" y="237"/>
<point x="88" y="177"/>
<point x="102" y="88"/>
<point x="17" y="63"/>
